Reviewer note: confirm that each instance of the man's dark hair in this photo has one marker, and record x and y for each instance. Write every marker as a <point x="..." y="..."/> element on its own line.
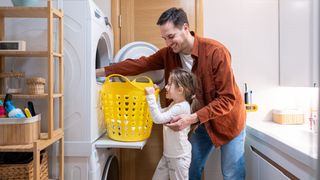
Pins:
<point x="175" y="15"/>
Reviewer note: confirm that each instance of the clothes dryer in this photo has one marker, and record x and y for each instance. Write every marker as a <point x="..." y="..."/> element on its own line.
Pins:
<point x="88" y="45"/>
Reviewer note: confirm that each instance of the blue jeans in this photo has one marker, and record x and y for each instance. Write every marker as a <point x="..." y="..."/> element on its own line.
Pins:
<point x="232" y="155"/>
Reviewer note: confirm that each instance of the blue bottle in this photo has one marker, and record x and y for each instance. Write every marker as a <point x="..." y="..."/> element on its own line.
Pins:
<point x="12" y="111"/>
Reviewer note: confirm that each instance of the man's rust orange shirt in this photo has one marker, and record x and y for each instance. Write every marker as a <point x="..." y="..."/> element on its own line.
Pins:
<point x="223" y="111"/>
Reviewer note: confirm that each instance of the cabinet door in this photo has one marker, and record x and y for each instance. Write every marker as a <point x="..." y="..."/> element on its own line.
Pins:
<point x="298" y="66"/>
<point x="258" y="168"/>
<point x="268" y="171"/>
<point x="252" y="162"/>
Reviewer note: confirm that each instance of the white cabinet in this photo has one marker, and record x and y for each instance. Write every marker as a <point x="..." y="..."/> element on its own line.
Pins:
<point x="267" y="160"/>
<point x="298" y="64"/>
<point x="268" y="171"/>
<point x="259" y="168"/>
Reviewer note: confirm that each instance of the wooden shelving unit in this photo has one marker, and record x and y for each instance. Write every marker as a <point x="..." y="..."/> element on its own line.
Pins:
<point x="53" y="135"/>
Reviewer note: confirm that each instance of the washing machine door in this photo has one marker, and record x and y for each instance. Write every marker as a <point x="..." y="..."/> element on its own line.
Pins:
<point x="137" y="49"/>
<point x="111" y="169"/>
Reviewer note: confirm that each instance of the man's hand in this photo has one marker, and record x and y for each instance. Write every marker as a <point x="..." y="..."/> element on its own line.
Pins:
<point x="150" y="90"/>
<point x="182" y="121"/>
<point x="100" y="72"/>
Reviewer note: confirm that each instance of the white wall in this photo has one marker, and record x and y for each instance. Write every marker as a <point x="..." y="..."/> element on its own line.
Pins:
<point x="249" y="29"/>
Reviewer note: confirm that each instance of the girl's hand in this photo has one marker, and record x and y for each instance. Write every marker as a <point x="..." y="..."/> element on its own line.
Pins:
<point x="156" y="86"/>
<point x="149" y="90"/>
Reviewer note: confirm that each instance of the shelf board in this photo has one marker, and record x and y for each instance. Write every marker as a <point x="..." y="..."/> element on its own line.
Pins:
<point x="31" y="96"/>
<point x="57" y="54"/>
<point x="24" y="53"/>
<point x="106" y="142"/>
<point x="17" y="148"/>
<point x="28" y="12"/>
<point x="57" y="95"/>
<point x="43" y="143"/>
<point x="28" y="54"/>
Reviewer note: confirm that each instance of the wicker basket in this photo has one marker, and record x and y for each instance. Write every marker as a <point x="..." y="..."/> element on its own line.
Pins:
<point x="287" y="116"/>
<point x="24" y="171"/>
<point x="14" y="131"/>
<point x="35" y="85"/>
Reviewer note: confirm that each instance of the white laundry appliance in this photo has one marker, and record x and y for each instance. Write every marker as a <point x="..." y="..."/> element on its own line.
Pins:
<point x="89" y="45"/>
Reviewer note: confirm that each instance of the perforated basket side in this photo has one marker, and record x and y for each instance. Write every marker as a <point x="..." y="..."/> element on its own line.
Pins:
<point x="126" y="111"/>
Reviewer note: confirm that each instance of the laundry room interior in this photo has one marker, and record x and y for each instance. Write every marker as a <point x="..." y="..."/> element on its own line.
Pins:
<point x="59" y="119"/>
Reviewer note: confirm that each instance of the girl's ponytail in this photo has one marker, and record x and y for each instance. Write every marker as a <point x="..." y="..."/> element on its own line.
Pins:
<point x="194" y="104"/>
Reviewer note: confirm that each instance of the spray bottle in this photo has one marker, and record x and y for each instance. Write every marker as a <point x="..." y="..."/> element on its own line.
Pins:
<point x="13" y="112"/>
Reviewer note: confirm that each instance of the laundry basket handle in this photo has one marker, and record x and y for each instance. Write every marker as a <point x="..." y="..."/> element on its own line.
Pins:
<point x="116" y="75"/>
<point x="144" y="77"/>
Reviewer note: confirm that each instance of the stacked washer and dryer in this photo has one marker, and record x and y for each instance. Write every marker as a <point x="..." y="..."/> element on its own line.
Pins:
<point x="88" y="45"/>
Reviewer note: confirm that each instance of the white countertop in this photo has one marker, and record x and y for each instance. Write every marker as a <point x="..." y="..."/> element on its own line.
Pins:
<point x="295" y="140"/>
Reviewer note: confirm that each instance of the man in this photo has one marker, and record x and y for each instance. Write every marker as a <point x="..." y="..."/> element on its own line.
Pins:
<point x="222" y="115"/>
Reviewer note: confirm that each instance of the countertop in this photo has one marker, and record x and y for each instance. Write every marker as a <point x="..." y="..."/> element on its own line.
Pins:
<point x="297" y="141"/>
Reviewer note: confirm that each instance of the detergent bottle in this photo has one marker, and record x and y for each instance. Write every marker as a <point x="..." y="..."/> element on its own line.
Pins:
<point x="13" y="112"/>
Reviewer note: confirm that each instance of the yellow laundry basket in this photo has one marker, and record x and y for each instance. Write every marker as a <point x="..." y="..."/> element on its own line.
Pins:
<point x="125" y="108"/>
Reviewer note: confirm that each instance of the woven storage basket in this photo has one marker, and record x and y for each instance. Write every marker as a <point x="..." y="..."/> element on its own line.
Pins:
<point x="35" y="85"/>
<point x="287" y="116"/>
<point x="14" y="131"/>
<point x="125" y="109"/>
<point x="24" y="171"/>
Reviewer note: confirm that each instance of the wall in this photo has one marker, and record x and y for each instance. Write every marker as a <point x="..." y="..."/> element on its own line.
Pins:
<point x="249" y="29"/>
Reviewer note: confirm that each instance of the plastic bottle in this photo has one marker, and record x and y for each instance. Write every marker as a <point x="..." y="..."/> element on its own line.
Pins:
<point x="13" y="112"/>
<point x="313" y="115"/>
<point x="2" y="110"/>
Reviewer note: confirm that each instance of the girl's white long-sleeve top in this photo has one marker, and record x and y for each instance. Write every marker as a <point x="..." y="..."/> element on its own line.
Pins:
<point x="175" y="143"/>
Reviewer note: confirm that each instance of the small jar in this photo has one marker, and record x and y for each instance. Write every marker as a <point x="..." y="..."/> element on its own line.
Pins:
<point x="12" y="82"/>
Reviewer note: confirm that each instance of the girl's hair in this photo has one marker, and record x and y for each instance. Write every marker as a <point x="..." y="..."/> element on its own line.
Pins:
<point x="188" y="81"/>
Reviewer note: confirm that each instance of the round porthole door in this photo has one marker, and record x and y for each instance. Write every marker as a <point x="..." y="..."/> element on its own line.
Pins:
<point x="135" y="50"/>
<point x="111" y="169"/>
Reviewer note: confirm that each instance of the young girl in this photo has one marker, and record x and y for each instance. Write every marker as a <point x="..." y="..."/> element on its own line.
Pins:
<point x="175" y="162"/>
